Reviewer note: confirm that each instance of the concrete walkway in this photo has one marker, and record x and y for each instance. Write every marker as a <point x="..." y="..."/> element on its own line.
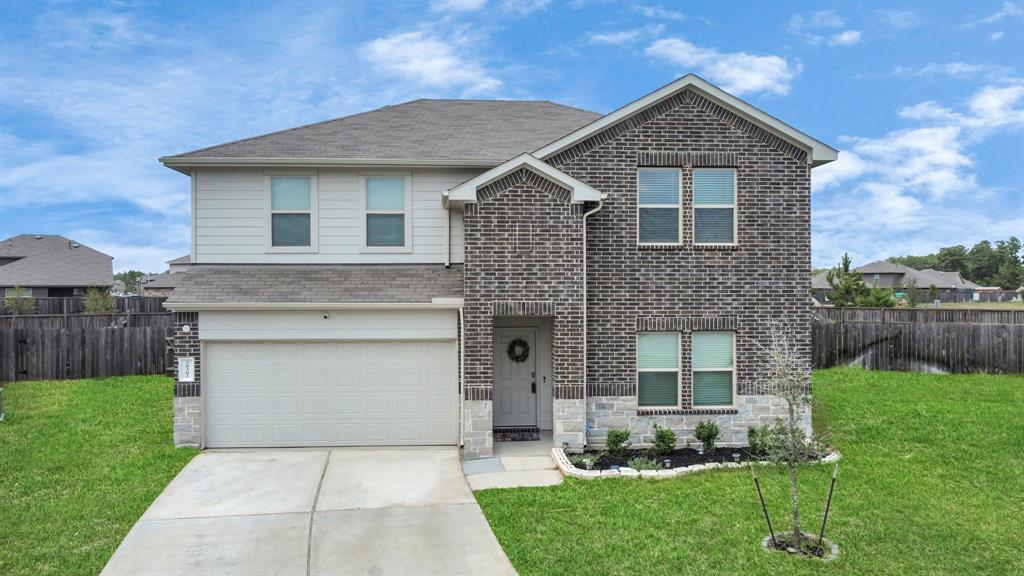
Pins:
<point x="303" y="512"/>
<point x="511" y="472"/>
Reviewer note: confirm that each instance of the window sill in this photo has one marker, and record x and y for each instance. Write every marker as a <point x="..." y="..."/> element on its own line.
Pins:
<point x="660" y="247"/>
<point x="386" y="250"/>
<point x="648" y="411"/>
<point x="722" y="247"/>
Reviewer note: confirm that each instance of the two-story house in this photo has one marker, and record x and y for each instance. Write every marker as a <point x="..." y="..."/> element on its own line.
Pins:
<point x="440" y="271"/>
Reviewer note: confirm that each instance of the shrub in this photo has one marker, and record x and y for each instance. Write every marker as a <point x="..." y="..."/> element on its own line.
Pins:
<point x="19" y="304"/>
<point x="98" y="301"/>
<point x="708" y="432"/>
<point x="664" y="440"/>
<point x="645" y="463"/>
<point x="586" y="460"/>
<point x="617" y="441"/>
<point x="762" y="440"/>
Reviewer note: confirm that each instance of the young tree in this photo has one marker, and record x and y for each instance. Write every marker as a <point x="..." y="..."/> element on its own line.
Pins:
<point x="787" y="374"/>
<point x="876" y="297"/>
<point x="913" y="294"/>
<point x="98" y="301"/>
<point x="19" y="305"/>
<point x="846" y="285"/>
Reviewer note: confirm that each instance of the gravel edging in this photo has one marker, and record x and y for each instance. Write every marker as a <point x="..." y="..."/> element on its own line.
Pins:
<point x="567" y="468"/>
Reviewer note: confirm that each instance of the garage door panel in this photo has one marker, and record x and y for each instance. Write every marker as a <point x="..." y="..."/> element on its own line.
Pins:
<point x="330" y="393"/>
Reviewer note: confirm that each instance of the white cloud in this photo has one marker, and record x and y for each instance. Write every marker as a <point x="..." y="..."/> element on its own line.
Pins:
<point x="845" y="38"/>
<point x="1008" y="10"/>
<point x="630" y="36"/>
<point x="818" y="19"/>
<point x="960" y="71"/>
<point x="899" y="18"/>
<point x="996" y="36"/>
<point x="523" y="7"/>
<point x="736" y="72"/>
<point x="914" y="183"/>
<point x="457" y="5"/>
<point x="658" y="12"/>
<point x="430" y="62"/>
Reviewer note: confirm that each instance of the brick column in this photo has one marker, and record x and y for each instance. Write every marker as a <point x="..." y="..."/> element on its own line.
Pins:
<point x="187" y="408"/>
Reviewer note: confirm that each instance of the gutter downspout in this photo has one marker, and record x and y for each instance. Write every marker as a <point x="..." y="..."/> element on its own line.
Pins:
<point x="448" y="229"/>
<point x="600" y="205"/>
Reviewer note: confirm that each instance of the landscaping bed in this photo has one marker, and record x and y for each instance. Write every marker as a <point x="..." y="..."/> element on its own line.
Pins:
<point x="678" y="458"/>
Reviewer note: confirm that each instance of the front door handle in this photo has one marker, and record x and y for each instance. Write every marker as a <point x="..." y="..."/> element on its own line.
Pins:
<point x="533" y="387"/>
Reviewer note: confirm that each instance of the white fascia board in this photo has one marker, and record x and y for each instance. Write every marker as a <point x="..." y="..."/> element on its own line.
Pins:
<point x="181" y="164"/>
<point x="818" y="152"/>
<point x="436" y="304"/>
<point x="466" y="192"/>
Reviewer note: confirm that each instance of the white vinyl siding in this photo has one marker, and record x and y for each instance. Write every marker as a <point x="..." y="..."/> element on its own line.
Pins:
<point x="458" y="235"/>
<point x="657" y="369"/>
<point x="231" y="213"/>
<point x="714" y="369"/>
<point x="714" y="206"/>
<point x="658" y="205"/>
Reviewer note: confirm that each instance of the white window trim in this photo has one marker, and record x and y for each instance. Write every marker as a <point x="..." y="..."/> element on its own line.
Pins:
<point x="678" y="206"/>
<point x="734" y="206"/>
<point x="732" y="370"/>
<point x="407" y="213"/>
<point x="313" y="216"/>
<point x="678" y="370"/>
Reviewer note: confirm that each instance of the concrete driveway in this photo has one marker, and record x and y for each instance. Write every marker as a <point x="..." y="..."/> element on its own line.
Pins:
<point x="300" y="512"/>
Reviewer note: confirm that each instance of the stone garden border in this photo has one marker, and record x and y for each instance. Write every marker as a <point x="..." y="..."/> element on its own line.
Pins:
<point x="568" y="469"/>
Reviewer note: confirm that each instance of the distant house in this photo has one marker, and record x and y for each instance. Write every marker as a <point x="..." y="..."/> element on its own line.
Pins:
<point x="164" y="284"/>
<point x="949" y="286"/>
<point x="47" y="266"/>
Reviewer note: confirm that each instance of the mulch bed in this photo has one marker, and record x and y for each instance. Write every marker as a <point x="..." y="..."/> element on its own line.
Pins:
<point x="679" y="457"/>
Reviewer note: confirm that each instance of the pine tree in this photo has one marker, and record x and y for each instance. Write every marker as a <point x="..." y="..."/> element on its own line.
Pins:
<point x="846" y="285"/>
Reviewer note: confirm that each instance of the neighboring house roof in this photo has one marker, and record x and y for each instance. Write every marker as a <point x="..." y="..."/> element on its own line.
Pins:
<point x="186" y="259"/>
<point x="943" y="279"/>
<point x="434" y="132"/>
<point x="49" y="260"/>
<point x="164" y="281"/>
<point x="820" y="281"/>
<point x="883" y="267"/>
<point x="238" y="286"/>
<point x="818" y="152"/>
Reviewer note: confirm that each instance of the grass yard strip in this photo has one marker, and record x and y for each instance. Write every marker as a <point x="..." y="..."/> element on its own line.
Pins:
<point x="80" y="461"/>
<point x="930" y="483"/>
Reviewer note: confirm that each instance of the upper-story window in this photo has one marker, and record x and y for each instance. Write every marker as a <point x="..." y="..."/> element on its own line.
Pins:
<point x="714" y="206"/>
<point x="658" y="212"/>
<point x="292" y="213"/>
<point x="387" y="203"/>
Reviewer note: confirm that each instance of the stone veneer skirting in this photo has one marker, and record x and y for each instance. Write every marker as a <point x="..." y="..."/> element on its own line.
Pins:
<point x="607" y="412"/>
<point x="187" y="422"/>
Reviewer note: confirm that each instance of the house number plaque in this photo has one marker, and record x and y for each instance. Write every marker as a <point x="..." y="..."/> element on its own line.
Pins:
<point x="186" y="369"/>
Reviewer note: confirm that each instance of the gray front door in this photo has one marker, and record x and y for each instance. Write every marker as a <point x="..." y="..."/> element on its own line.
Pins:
<point x="515" y="377"/>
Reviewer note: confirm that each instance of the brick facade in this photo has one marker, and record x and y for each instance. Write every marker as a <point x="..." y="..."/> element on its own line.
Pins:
<point x="631" y="288"/>
<point x="524" y="257"/>
<point x="187" y="407"/>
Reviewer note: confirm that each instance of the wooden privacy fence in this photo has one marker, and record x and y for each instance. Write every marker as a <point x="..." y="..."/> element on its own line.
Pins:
<point x="80" y="346"/>
<point x="76" y="305"/>
<point x="920" y="340"/>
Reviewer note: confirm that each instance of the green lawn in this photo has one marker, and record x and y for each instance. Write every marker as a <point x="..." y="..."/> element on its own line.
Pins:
<point x="80" y="461"/>
<point x="931" y="482"/>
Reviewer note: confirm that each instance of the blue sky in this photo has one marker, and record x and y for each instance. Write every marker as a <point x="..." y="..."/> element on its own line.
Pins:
<point x="924" y="100"/>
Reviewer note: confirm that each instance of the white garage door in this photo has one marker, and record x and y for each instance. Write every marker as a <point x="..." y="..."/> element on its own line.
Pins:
<point x="330" y="393"/>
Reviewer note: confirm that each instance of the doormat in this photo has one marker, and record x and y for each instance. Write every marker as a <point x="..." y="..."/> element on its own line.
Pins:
<point x="516" y="434"/>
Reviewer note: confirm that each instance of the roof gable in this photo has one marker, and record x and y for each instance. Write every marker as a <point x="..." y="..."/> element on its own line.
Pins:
<point x="817" y="152"/>
<point x="468" y="190"/>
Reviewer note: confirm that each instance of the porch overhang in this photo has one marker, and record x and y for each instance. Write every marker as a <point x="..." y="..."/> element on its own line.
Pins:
<point x="467" y="191"/>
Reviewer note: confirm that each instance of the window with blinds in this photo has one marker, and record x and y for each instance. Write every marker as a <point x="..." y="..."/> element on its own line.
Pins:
<point x="291" y="212"/>
<point x="657" y="369"/>
<point x="714" y="206"/>
<point x="658" y="217"/>
<point x="386" y="204"/>
<point x="714" y="370"/>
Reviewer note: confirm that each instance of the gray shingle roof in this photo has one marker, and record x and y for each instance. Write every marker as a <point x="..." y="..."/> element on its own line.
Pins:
<point x="164" y="281"/>
<point x="488" y="131"/>
<point x="321" y="284"/>
<point x="186" y="259"/>
<point x="45" y="260"/>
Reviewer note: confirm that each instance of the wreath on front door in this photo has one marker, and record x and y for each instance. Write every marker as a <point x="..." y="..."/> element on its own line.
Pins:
<point x="518" y="350"/>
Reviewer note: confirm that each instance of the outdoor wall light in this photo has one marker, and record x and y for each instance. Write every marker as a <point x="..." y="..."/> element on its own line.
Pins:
<point x="327" y="315"/>
<point x="186" y="328"/>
